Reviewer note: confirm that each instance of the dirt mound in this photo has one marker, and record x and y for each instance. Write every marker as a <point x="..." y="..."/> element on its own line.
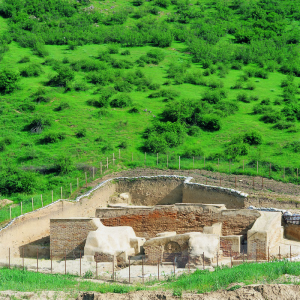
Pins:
<point x="5" y="202"/>
<point x="258" y="292"/>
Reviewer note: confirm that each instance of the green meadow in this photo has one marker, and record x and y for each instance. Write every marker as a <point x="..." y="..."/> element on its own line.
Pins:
<point x="81" y="80"/>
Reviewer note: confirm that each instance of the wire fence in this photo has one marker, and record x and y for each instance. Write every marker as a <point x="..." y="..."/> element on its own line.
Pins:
<point x="141" y="268"/>
<point x="221" y="173"/>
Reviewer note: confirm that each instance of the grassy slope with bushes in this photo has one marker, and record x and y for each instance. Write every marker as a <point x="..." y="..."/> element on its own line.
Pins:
<point x="80" y="79"/>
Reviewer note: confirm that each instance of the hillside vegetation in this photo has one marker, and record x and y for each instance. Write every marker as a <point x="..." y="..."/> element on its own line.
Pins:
<point x="81" y="79"/>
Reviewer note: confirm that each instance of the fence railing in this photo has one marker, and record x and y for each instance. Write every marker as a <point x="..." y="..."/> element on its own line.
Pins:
<point x="138" y="268"/>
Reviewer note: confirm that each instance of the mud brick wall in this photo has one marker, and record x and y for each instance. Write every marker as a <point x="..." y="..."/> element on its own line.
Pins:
<point x="230" y="246"/>
<point x="69" y="236"/>
<point x="182" y="219"/>
<point x="104" y="257"/>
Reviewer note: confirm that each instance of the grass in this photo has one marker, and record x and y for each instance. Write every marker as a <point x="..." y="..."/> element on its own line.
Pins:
<point x="199" y="281"/>
<point x="104" y="133"/>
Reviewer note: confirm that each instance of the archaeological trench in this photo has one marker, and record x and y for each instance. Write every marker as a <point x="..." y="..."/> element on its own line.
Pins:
<point x="161" y="218"/>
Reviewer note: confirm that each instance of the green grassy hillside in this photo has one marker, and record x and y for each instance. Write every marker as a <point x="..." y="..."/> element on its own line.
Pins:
<point x="81" y="79"/>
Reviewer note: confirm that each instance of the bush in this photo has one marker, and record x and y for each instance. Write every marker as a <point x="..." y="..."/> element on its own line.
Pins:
<point x="80" y="86"/>
<point x="64" y="75"/>
<point x="121" y="101"/>
<point x="62" y="106"/>
<point x="193" y="131"/>
<point x="154" y="56"/>
<point x="168" y="94"/>
<point x="24" y="59"/>
<point x="243" y="97"/>
<point x="209" y="123"/>
<point x="271" y="117"/>
<point x="64" y="164"/>
<point x="137" y="2"/>
<point x="162" y="3"/>
<point x="113" y="49"/>
<point x="123" y="86"/>
<point x="32" y="70"/>
<point x="40" y="50"/>
<point x="52" y="137"/>
<point x="81" y="133"/>
<point x="234" y="150"/>
<point x="133" y="110"/>
<point x="250" y="86"/>
<point x="123" y="145"/>
<point x="38" y="124"/>
<point x="156" y="144"/>
<point x="192" y="151"/>
<point x="252" y="138"/>
<point x="125" y="52"/>
<point x="281" y="125"/>
<point x="8" y="81"/>
<point x="214" y="96"/>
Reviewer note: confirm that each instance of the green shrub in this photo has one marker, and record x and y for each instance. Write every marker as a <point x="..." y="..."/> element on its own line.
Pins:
<point x="40" y="50"/>
<point x="24" y="59"/>
<point x="265" y="101"/>
<point x="214" y="84"/>
<point x="125" y="52"/>
<point x="65" y="60"/>
<point x="2" y="146"/>
<point x="252" y="138"/>
<point x="243" y="97"/>
<point x="26" y="107"/>
<point x="123" y="145"/>
<point x="156" y="144"/>
<point x="133" y="110"/>
<point x="234" y="150"/>
<point x="214" y="96"/>
<point x="32" y="70"/>
<point x="64" y="164"/>
<point x="52" y="137"/>
<point x="227" y="108"/>
<point x="38" y="124"/>
<point x="63" y="76"/>
<point x="250" y="86"/>
<point x="209" y="123"/>
<point x="238" y="85"/>
<point x="192" y="151"/>
<point x="271" y="117"/>
<point x="81" y="133"/>
<point x="113" y="49"/>
<point x="281" y="125"/>
<point x="8" y="81"/>
<point x="162" y="3"/>
<point x="62" y="106"/>
<point x="295" y="146"/>
<point x="193" y="131"/>
<point x="122" y="100"/>
<point x="154" y="56"/>
<point x="80" y="86"/>
<point x="137" y="2"/>
<point x="123" y="86"/>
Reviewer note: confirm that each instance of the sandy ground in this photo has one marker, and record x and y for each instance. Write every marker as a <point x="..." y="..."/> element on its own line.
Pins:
<point x="251" y="292"/>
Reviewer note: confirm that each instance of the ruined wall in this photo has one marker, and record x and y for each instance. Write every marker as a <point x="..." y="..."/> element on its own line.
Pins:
<point x="230" y="245"/>
<point x="265" y="234"/>
<point x="152" y="190"/>
<point x="181" y="218"/>
<point x="292" y="232"/>
<point x="68" y="236"/>
<point x="36" y="225"/>
<point x="199" y="193"/>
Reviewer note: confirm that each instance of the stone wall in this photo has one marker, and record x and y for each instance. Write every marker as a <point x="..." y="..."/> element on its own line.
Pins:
<point x="231" y="245"/>
<point x="152" y="190"/>
<point x="68" y="236"/>
<point x="292" y="232"/>
<point x="200" y="193"/>
<point x="265" y="235"/>
<point x="182" y="218"/>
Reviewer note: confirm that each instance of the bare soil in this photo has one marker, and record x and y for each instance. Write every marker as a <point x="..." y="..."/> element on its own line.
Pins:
<point x="250" y="292"/>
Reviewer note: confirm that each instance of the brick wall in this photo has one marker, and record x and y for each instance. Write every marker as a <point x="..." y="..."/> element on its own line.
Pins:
<point x="230" y="245"/>
<point x="69" y="236"/>
<point x="182" y="219"/>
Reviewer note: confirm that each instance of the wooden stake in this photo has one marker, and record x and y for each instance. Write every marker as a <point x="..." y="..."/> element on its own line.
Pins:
<point x="218" y="163"/>
<point x="297" y="173"/>
<point x="37" y="260"/>
<point x="77" y="183"/>
<point x="262" y="182"/>
<point x="243" y="165"/>
<point x="132" y="156"/>
<point x="235" y="181"/>
<point x="179" y="163"/>
<point x="42" y="200"/>
<point x="257" y="167"/>
<point x="32" y="204"/>
<point x="85" y="179"/>
<point x="93" y="173"/>
<point x="61" y="192"/>
<point x="167" y="161"/>
<point x="107" y="163"/>
<point x="283" y="172"/>
<point x="157" y="159"/>
<point x="204" y="162"/>
<point x="101" y="168"/>
<point x="270" y="171"/>
<point x="10" y="212"/>
<point x="21" y="208"/>
<point x="193" y="162"/>
<point x="113" y="159"/>
<point x="80" y="264"/>
<point x="52" y="196"/>
<point x="119" y="153"/>
<point x="253" y="182"/>
<point x="70" y="188"/>
<point x="129" y="269"/>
